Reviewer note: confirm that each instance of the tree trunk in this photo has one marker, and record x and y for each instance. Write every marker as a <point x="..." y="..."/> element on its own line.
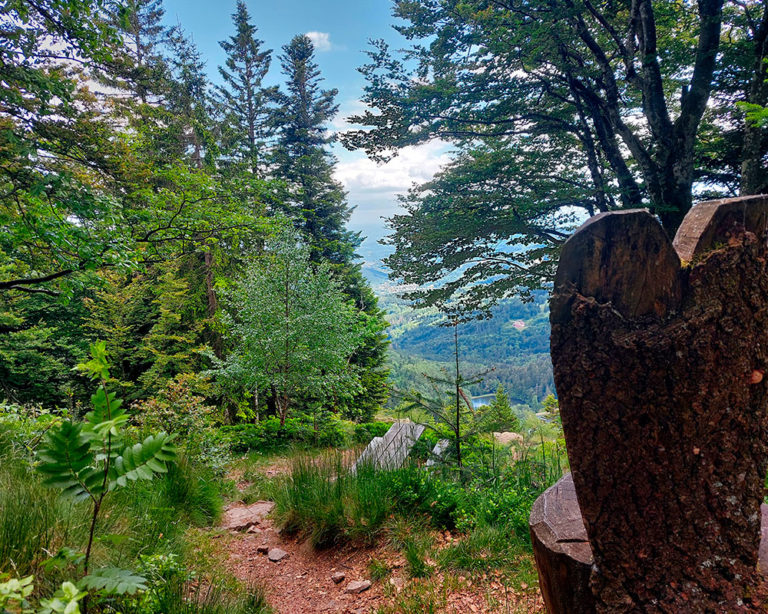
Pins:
<point x="753" y="172"/>
<point x="562" y="552"/>
<point x="282" y="406"/>
<point x="659" y="371"/>
<point x="212" y="304"/>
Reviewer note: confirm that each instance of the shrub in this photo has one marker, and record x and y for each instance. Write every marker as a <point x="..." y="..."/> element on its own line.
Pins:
<point x="324" y="501"/>
<point x="366" y="431"/>
<point x="268" y="436"/>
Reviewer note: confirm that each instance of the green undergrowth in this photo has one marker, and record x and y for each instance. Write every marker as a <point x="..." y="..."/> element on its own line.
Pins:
<point x="268" y="436"/>
<point x="324" y="501"/>
<point x="145" y="527"/>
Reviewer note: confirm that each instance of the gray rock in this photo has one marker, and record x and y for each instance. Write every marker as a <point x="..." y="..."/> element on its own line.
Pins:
<point x="358" y="587"/>
<point x="338" y="577"/>
<point x="243" y="517"/>
<point x="276" y="554"/>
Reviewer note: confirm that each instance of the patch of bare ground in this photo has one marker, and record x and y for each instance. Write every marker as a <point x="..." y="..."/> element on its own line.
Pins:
<point x="302" y="582"/>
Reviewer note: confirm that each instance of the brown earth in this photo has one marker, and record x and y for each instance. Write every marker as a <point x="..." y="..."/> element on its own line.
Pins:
<point x="301" y="583"/>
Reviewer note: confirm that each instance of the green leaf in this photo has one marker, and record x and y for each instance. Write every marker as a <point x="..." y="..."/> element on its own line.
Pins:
<point x="114" y="581"/>
<point x="97" y="367"/>
<point x="66" y="460"/>
<point x="65" y="601"/>
<point x="144" y="460"/>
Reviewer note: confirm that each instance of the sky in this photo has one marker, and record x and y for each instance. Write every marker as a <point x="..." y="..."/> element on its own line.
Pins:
<point x="340" y="30"/>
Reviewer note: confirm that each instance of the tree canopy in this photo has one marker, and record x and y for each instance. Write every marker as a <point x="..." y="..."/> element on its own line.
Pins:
<point x="557" y="111"/>
<point x="133" y="192"/>
<point x="292" y="328"/>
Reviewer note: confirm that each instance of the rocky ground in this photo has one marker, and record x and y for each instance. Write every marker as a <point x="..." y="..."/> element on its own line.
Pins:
<point x="301" y="580"/>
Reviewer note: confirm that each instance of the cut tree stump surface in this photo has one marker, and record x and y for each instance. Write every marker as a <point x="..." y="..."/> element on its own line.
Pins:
<point x="659" y="352"/>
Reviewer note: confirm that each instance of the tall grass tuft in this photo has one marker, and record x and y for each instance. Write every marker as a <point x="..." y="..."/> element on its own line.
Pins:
<point x="34" y="522"/>
<point x="192" y="490"/>
<point x="326" y="502"/>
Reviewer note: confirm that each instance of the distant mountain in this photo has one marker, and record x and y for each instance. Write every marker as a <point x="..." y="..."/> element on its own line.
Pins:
<point x="513" y="345"/>
<point x="375" y="273"/>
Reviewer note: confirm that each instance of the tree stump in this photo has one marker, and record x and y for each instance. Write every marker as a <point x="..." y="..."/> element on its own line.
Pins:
<point x="563" y="554"/>
<point x="659" y="370"/>
<point x="561" y="549"/>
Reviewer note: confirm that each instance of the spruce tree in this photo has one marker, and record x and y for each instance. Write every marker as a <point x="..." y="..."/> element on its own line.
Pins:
<point x="188" y="99"/>
<point x="316" y="202"/>
<point x="140" y="67"/>
<point x="242" y="100"/>
<point x="499" y="415"/>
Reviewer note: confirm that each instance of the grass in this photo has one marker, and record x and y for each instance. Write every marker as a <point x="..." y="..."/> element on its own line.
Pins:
<point x="42" y="534"/>
<point x="378" y="570"/>
<point x="177" y="596"/>
<point x="410" y="508"/>
<point x="415" y="550"/>
<point x="418" y="597"/>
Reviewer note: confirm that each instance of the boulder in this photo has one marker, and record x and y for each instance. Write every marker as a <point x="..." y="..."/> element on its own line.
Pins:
<point x="243" y="517"/>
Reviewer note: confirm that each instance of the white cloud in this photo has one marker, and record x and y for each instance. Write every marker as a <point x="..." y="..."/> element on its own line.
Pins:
<point x="321" y="40"/>
<point x="413" y="164"/>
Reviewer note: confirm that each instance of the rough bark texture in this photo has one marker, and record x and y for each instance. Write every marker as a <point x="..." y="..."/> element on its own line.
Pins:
<point x="659" y="375"/>
<point x="564" y="556"/>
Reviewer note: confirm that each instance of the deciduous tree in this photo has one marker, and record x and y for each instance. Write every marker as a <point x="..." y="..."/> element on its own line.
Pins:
<point x="559" y="110"/>
<point x="292" y="329"/>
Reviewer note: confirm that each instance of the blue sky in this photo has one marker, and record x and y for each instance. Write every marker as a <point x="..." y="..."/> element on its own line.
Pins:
<point x="341" y="30"/>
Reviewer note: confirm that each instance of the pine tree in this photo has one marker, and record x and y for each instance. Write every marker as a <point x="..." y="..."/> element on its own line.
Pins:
<point x="242" y="100"/>
<point x="316" y="202"/>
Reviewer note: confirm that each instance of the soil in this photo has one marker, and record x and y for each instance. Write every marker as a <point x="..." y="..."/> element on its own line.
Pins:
<point x="301" y="583"/>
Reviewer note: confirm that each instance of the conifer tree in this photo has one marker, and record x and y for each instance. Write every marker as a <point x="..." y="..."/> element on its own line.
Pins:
<point x="188" y="98"/>
<point x="242" y="100"/>
<point x="499" y="415"/>
<point x="318" y="207"/>
<point x="140" y="67"/>
<point x="316" y="202"/>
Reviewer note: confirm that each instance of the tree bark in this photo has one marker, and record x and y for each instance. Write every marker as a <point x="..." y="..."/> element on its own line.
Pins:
<point x="562" y="552"/>
<point x="212" y="304"/>
<point x="659" y="371"/>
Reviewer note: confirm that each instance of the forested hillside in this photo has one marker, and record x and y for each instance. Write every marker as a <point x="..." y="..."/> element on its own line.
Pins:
<point x="511" y="348"/>
<point x="146" y="206"/>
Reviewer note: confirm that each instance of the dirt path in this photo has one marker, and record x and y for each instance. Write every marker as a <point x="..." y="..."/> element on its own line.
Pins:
<point x="301" y="582"/>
